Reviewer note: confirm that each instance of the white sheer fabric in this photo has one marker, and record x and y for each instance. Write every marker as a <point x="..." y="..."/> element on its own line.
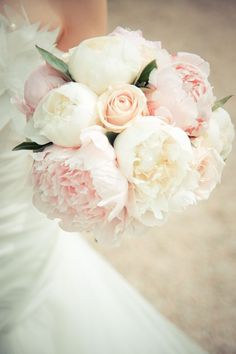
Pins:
<point x="57" y="296"/>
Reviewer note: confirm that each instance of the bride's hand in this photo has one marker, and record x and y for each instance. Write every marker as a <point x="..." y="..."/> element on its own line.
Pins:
<point x="80" y="20"/>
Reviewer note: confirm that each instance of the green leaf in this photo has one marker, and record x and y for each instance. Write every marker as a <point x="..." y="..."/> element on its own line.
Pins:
<point x="111" y="137"/>
<point x="142" y="80"/>
<point x="30" y="145"/>
<point x="221" y="102"/>
<point x="55" y="62"/>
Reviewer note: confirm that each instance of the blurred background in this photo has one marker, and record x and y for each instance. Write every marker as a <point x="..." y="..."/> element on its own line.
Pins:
<point x="187" y="268"/>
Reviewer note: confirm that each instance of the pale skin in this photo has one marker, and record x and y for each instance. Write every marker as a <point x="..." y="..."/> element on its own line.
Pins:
<point x="77" y="19"/>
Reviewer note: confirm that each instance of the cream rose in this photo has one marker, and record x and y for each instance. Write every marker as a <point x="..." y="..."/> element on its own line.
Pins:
<point x="62" y="114"/>
<point x="103" y="61"/>
<point x="120" y="105"/>
<point x="156" y="159"/>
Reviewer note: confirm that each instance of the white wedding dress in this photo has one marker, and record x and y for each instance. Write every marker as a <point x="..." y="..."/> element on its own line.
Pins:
<point x="57" y="295"/>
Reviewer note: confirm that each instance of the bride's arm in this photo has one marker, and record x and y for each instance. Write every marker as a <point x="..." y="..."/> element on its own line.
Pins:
<point x="80" y="20"/>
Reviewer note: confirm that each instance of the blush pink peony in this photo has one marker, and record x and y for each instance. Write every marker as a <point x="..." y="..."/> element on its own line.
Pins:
<point x="182" y="88"/>
<point x="82" y="187"/>
<point x="40" y="82"/>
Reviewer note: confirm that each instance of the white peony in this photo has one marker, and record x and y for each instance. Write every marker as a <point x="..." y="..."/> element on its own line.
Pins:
<point x="102" y="61"/>
<point x="150" y="49"/>
<point x="209" y="166"/>
<point x="220" y="133"/>
<point x="62" y="114"/>
<point x="156" y="158"/>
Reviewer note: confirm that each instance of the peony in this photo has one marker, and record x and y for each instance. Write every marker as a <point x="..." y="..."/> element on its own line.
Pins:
<point x="194" y="73"/>
<point x="40" y="82"/>
<point x="209" y="166"/>
<point x="82" y="187"/>
<point x="103" y="61"/>
<point x="62" y="114"/>
<point x="183" y="89"/>
<point x="137" y="38"/>
<point x="150" y="50"/>
<point x="120" y="105"/>
<point x="220" y="133"/>
<point x="156" y="158"/>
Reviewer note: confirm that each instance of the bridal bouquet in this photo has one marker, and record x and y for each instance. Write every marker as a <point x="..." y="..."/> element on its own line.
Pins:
<point x="123" y="133"/>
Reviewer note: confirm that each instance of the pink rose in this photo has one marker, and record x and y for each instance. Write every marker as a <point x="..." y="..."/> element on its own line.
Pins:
<point x="209" y="166"/>
<point x="120" y="105"/>
<point x="40" y="82"/>
<point x="82" y="187"/>
<point x="183" y="89"/>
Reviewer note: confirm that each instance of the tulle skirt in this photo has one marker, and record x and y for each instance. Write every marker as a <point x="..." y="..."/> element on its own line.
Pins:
<point x="88" y="308"/>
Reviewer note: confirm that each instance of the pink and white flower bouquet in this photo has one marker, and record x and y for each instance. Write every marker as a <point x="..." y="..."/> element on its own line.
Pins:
<point x="123" y="133"/>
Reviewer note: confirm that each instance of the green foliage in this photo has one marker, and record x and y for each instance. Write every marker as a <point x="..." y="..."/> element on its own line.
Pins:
<point x="30" y="145"/>
<point x="142" y="80"/>
<point x="55" y="62"/>
<point x="111" y="137"/>
<point x="221" y="102"/>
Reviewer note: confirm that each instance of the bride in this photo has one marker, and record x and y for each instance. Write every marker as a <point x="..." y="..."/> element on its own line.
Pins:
<point x="57" y="296"/>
